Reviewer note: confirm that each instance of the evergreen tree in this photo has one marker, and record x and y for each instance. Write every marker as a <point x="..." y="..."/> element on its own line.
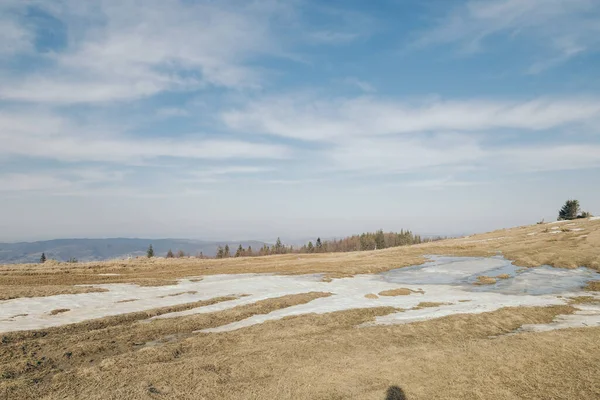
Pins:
<point x="569" y="210"/>
<point x="170" y="254"/>
<point x="43" y="258"/>
<point x="150" y="252"/>
<point x="226" y="252"/>
<point x="379" y="240"/>
<point x="240" y="251"/>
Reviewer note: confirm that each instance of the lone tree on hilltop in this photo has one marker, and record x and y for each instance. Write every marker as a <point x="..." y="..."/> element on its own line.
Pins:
<point x="569" y="210"/>
<point x="150" y="252"/>
<point x="43" y="258"/>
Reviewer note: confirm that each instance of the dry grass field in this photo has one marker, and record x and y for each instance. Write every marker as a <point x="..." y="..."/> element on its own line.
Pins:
<point x="312" y="356"/>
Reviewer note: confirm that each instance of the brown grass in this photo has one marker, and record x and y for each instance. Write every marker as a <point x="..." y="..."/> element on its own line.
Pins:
<point x="485" y="280"/>
<point x="307" y="357"/>
<point x="593" y="286"/>
<point x="396" y="292"/>
<point x="8" y="292"/>
<point x="426" y="304"/>
<point x="178" y="294"/>
<point x="584" y="300"/>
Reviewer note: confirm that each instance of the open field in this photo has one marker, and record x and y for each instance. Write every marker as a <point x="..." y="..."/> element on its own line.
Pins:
<point x="342" y="332"/>
<point x="567" y="244"/>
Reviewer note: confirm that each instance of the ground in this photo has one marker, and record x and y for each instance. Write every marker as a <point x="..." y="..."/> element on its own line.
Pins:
<point x="332" y="355"/>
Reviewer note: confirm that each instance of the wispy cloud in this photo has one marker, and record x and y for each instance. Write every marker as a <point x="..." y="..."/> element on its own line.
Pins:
<point x="53" y="137"/>
<point x="329" y="119"/>
<point x="561" y="29"/>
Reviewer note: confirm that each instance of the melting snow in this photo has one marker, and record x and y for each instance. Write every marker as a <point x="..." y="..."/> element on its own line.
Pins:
<point x="443" y="279"/>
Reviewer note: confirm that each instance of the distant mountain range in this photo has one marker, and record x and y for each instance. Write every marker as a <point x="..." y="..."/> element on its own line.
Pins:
<point x="104" y="249"/>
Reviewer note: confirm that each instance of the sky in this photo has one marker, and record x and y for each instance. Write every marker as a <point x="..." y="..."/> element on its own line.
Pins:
<point x="232" y="120"/>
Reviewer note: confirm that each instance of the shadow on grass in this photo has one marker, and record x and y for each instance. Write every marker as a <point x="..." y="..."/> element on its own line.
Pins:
<point x="395" y="393"/>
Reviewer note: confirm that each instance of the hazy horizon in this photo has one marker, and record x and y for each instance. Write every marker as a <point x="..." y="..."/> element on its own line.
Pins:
<point x="238" y="120"/>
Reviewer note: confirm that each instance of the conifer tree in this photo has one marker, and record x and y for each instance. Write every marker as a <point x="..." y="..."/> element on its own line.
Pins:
<point x="569" y="210"/>
<point x="150" y="252"/>
<point x="240" y="251"/>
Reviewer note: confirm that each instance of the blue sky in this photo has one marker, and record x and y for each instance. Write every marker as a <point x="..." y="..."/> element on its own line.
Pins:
<point x="254" y="119"/>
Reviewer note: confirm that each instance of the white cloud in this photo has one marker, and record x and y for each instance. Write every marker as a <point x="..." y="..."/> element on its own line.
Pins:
<point x="121" y="50"/>
<point x="50" y="136"/>
<point x="314" y="119"/>
<point x="403" y="154"/>
<point x="564" y="28"/>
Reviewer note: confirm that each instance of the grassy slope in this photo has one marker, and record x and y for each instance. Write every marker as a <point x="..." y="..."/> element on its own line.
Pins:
<point x="528" y="246"/>
<point x="309" y="356"/>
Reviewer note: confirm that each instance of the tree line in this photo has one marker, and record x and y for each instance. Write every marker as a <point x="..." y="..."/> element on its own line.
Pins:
<point x="365" y="241"/>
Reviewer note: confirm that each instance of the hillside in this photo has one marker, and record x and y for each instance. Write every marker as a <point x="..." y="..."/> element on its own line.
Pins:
<point x="106" y="249"/>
